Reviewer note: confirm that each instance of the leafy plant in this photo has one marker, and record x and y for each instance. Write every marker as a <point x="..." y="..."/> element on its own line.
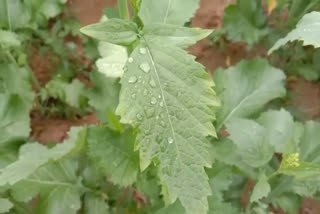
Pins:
<point x="171" y="138"/>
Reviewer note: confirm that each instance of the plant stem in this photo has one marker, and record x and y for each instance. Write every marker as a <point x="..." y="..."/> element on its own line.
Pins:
<point x="123" y="9"/>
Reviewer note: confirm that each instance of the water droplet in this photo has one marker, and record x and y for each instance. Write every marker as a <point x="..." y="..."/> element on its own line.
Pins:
<point x="139" y="117"/>
<point x="170" y="140"/>
<point x="159" y="96"/>
<point x="149" y="112"/>
<point x="153" y="101"/>
<point x="133" y="96"/>
<point x="152" y="83"/>
<point x="132" y="79"/>
<point x="145" y="92"/>
<point x="162" y="123"/>
<point x="125" y="69"/>
<point x="161" y="104"/>
<point x="145" y="67"/>
<point x="157" y="117"/>
<point x="130" y="60"/>
<point x="143" y="51"/>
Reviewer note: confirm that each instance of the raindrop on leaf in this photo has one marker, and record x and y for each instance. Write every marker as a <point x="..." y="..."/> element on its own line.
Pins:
<point x="132" y="79"/>
<point x="145" y="67"/>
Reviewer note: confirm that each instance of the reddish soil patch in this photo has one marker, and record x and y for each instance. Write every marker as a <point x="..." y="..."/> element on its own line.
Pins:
<point x="305" y="98"/>
<point x="89" y="12"/>
<point x="46" y="130"/>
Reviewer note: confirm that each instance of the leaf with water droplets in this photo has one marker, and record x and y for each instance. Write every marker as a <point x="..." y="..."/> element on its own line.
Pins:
<point x="180" y="150"/>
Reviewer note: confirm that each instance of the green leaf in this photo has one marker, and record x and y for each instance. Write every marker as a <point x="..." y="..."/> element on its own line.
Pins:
<point x="175" y="12"/>
<point x="5" y="205"/>
<point x="246" y="88"/>
<point x="104" y="95"/>
<point x="95" y="205"/>
<point x="250" y="139"/>
<point x="8" y="38"/>
<point x="279" y="126"/>
<point x="16" y="98"/>
<point x="34" y="155"/>
<point x="8" y="14"/>
<point x="219" y="207"/>
<point x="166" y="94"/>
<point x="303" y="171"/>
<point x="175" y="208"/>
<point x="261" y="189"/>
<point x="74" y="93"/>
<point x="14" y="119"/>
<point x="115" y="31"/>
<point x="56" y="185"/>
<point x="306" y="31"/>
<point x="309" y="145"/>
<point x="114" y="153"/>
<point x="250" y="16"/>
<point x="16" y="81"/>
<point x="114" y="58"/>
<point x="174" y="35"/>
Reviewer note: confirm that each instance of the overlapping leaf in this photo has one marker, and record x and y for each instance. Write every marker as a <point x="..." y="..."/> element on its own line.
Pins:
<point x="57" y="186"/>
<point x="16" y="100"/>
<point x="246" y="88"/>
<point x="33" y="155"/>
<point x="113" y="152"/>
<point x="307" y="31"/>
<point x="250" y="16"/>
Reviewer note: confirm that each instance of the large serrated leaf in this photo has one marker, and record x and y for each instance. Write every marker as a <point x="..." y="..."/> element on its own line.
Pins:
<point x="167" y="94"/>
<point x="246" y="88"/>
<point x="307" y="31"/>
<point x="175" y="12"/>
<point x="169" y="97"/>
<point x="114" y="153"/>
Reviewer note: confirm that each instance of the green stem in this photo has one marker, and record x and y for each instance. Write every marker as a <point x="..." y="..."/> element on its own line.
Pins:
<point x="123" y="9"/>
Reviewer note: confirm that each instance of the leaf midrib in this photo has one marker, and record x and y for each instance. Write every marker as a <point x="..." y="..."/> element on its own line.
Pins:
<point x="163" y="98"/>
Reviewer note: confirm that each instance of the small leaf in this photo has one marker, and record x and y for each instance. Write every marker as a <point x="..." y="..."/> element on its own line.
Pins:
<point x="5" y="205"/>
<point x="246" y="88"/>
<point x="306" y="31"/>
<point x="114" y="153"/>
<point x="116" y="31"/>
<point x="114" y="58"/>
<point x="261" y="189"/>
<point x="250" y="16"/>
<point x="8" y="38"/>
<point x="168" y="11"/>
<point x="104" y="95"/>
<point x="175" y="35"/>
<point x="95" y="205"/>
